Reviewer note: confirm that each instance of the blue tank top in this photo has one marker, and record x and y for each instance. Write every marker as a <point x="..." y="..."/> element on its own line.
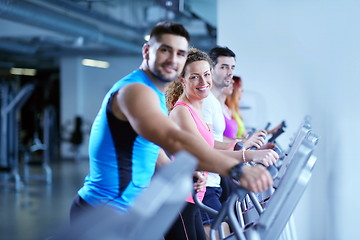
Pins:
<point x="121" y="162"/>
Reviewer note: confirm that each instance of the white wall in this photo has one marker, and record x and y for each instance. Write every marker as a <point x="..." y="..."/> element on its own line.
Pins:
<point x="298" y="58"/>
<point x="83" y="88"/>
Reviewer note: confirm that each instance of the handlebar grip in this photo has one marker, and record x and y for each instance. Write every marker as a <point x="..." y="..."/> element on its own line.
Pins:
<point x="253" y="147"/>
<point x="273" y="171"/>
<point x="238" y="146"/>
<point x="277" y="150"/>
<point x="278" y="132"/>
<point x="275" y="135"/>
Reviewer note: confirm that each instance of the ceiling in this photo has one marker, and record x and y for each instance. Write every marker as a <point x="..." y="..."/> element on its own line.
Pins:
<point x="37" y="33"/>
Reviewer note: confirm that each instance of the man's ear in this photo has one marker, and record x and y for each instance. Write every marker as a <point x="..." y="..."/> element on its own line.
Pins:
<point x="145" y="51"/>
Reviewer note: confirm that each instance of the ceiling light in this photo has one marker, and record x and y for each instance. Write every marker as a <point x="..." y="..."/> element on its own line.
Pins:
<point x="23" y="71"/>
<point x="95" y="63"/>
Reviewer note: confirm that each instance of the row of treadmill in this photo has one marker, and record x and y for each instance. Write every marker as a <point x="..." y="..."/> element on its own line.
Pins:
<point x="267" y="215"/>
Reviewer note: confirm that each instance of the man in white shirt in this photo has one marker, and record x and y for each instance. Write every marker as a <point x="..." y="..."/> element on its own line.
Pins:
<point x="223" y="70"/>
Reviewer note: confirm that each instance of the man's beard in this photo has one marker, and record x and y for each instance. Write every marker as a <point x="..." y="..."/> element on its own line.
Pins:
<point x="227" y="82"/>
<point x="162" y="78"/>
<point x="223" y="84"/>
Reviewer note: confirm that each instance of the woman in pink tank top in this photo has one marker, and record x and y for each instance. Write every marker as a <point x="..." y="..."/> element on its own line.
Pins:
<point x="184" y="101"/>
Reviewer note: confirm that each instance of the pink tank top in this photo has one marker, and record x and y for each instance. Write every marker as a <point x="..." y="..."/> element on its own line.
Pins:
<point x="208" y="136"/>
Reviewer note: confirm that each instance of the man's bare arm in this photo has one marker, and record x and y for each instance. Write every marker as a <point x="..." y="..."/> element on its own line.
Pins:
<point x="139" y="105"/>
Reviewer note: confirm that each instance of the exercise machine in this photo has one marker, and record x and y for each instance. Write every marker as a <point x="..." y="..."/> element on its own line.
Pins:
<point x="11" y="102"/>
<point x="273" y="216"/>
<point x="152" y="213"/>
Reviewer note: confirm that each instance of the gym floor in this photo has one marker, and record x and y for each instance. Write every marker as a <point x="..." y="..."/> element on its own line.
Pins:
<point x="38" y="209"/>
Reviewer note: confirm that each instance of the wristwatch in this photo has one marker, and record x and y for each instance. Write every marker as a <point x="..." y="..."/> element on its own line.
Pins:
<point x="236" y="171"/>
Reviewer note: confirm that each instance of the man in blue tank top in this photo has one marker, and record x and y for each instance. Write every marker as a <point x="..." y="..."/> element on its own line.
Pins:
<point x="132" y="125"/>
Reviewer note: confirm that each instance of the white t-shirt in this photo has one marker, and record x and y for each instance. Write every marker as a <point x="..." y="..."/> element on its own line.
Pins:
<point x="213" y="115"/>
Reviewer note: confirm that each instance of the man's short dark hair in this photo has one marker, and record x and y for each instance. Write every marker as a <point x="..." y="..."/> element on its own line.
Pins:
<point x="169" y="28"/>
<point x="219" y="51"/>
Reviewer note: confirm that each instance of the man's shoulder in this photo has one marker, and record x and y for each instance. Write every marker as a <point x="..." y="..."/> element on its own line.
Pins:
<point x="137" y="76"/>
<point x="210" y="101"/>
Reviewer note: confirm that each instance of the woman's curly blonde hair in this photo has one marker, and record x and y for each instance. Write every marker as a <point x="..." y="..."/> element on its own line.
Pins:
<point x="175" y="88"/>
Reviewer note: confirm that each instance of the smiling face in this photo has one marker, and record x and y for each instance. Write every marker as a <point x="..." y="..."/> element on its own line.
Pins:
<point x="166" y="56"/>
<point x="197" y="80"/>
<point x="223" y="71"/>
